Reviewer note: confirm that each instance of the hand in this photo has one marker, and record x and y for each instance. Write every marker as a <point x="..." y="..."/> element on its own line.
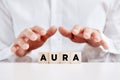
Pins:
<point x="84" y="35"/>
<point x="31" y="39"/>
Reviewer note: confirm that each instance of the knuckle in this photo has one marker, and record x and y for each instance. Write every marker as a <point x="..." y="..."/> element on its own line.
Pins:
<point x="26" y="30"/>
<point x="87" y="29"/>
<point x="97" y="31"/>
<point x="76" y="27"/>
<point x="37" y="27"/>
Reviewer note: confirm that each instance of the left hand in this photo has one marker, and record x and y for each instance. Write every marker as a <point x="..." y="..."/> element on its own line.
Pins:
<point x="84" y="35"/>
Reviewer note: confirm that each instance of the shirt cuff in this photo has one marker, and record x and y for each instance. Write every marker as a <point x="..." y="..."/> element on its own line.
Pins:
<point x="111" y="47"/>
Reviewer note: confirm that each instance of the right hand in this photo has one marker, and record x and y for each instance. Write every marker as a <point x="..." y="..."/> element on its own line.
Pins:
<point x="31" y="39"/>
<point x="87" y="35"/>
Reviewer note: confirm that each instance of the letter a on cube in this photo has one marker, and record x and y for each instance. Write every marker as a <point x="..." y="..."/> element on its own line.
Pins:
<point x="43" y="57"/>
<point x="75" y="57"/>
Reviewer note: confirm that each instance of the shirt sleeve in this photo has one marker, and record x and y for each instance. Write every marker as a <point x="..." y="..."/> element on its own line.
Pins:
<point x="106" y="18"/>
<point x="6" y="32"/>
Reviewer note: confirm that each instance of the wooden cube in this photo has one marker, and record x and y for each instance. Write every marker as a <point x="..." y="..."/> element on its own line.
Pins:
<point x="76" y="57"/>
<point x="65" y="58"/>
<point x="43" y="57"/>
<point x="54" y="58"/>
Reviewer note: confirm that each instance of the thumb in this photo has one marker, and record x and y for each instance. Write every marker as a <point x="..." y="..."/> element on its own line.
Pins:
<point x="65" y="32"/>
<point x="104" y="44"/>
<point x="51" y="31"/>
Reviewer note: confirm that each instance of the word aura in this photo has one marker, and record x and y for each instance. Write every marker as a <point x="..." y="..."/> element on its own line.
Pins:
<point x="59" y="58"/>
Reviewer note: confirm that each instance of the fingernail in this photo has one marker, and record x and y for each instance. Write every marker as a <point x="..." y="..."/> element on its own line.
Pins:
<point x="13" y="49"/>
<point x="86" y="36"/>
<point x="25" y="46"/>
<point x="43" y="32"/>
<point x="75" y="32"/>
<point x="21" y="53"/>
<point x="33" y="37"/>
<point x="96" y="39"/>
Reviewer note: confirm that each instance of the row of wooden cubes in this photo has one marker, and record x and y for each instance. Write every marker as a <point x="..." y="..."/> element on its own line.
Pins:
<point x="59" y="58"/>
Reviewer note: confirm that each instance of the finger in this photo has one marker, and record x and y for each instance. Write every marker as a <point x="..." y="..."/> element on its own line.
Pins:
<point x="20" y="53"/>
<point x="104" y="44"/>
<point x="65" y="32"/>
<point x="76" y="30"/>
<point x="14" y="48"/>
<point x="51" y="31"/>
<point x="22" y="44"/>
<point x="28" y="33"/>
<point x="96" y="36"/>
<point x="39" y="30"/>
<point x="87" y="33"/>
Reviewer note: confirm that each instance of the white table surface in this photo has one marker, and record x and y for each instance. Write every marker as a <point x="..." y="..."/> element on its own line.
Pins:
<point x="36" y="71"/>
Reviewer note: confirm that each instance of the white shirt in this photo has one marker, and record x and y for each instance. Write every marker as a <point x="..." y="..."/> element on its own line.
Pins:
<point x="17" y="15"/>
